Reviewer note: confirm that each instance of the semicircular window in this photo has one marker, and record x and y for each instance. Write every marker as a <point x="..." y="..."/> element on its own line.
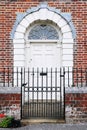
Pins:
<point x="43" y="32"/>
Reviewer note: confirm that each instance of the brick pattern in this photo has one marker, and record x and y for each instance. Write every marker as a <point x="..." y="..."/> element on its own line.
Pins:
<point x="10" y="104"/>
<point x="8" y="10"/>
<point x="77" y="99"/>
<point x="76" y="107"/>
<point x="9" y="99"/>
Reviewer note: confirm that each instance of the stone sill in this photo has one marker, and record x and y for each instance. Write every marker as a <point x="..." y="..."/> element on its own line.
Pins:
<point x="67" y="90"/>
<point x="76" y="90"/>
<point x="10" y="90"/>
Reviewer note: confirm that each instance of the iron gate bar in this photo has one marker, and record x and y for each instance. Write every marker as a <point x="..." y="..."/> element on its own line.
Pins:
<point x="60" y="94"/>
<point x="64" y="94"/>
<point x="21" y="95"/>
<point x="42" y="93"/>
<point x="11" y="77"/>
<point x="28" y="91"/>
<point x="33" y="88"/>
<point x="46" y="89"/>
<point x="68" y="76"/>
<point x="43" y="106"/>
<point x="56" y="87"/>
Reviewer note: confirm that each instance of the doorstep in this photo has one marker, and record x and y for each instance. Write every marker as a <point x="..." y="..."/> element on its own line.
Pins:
<point x="36" y="121"/>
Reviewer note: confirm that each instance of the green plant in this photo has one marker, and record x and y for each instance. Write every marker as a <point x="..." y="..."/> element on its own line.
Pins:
<point x="6" y="122"/>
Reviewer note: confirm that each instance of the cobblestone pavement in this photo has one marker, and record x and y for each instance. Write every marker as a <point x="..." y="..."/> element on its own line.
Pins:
<point x="51" y="127"/>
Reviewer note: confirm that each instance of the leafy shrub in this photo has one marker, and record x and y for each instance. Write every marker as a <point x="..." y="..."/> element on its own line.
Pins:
<point x="6" y="122"/>
<point x="10" y="122"/>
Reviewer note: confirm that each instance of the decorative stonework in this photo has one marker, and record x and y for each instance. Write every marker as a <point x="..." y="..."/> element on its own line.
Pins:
<point x="43" y="13"/>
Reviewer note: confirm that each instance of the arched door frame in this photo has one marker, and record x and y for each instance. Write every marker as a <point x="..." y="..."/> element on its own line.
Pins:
<point x="43" y="12"/>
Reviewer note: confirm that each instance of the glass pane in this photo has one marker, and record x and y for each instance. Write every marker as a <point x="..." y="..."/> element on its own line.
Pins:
<point x="43" y="32"/>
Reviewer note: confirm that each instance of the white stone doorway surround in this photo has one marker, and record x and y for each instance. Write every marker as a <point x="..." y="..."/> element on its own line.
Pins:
<point x="43" y="13"/>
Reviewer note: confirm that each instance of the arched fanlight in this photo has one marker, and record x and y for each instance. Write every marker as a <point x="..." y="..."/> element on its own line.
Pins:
<point x="43" y="32"/>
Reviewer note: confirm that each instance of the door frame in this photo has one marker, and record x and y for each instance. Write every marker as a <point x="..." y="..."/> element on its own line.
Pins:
<point x="43" y="13"/>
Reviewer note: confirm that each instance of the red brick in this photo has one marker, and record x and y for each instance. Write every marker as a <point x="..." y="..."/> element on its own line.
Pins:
<point x="77" y="9"/>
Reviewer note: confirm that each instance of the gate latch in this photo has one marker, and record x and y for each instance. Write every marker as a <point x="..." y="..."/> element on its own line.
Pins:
<point x="24" y="84"/>
<point x="62" y="75"/>
<point x="43" y="74"/>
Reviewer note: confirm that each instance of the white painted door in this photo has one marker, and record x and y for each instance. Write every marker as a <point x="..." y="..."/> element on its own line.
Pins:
<point x="44" y="55"/>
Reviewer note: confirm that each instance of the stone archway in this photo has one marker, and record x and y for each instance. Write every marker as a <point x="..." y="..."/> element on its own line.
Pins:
<point x="43" y="12"/>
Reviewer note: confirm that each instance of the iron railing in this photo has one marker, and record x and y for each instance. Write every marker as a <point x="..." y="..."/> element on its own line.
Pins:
<point x="74" y="77"/>
<point x="43" y="90"/>
<point x="43" y="94"/>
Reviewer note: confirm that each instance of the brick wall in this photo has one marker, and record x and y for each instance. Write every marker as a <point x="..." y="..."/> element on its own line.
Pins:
<point x="76" y="107"/>
<point x="9" y="9"/>
<point x="10" y="104"/>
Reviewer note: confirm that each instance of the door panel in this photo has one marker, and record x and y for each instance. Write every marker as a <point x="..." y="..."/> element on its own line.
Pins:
<point x="44" y="55"/>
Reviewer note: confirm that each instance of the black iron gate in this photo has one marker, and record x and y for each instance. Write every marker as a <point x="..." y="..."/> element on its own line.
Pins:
<point x="43" y="93"/>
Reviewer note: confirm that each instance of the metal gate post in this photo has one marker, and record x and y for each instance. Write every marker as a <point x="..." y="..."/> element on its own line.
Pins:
<point x="21" y="93"/>
<point x="64" y="93"/>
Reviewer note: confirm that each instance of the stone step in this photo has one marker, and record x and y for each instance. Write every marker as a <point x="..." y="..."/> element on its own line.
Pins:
<point x="38" y="121"/>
